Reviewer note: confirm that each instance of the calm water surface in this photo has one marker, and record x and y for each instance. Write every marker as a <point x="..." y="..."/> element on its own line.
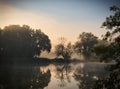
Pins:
<point x="53" y="76"/>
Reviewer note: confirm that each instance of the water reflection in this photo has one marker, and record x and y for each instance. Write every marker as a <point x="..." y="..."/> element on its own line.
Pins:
<point x="62" y="73"/>
<point x="86" y="75"/>
<point x="40" y="78"/>
<point x="65" y="76"/>
<point x="23" y="78"/>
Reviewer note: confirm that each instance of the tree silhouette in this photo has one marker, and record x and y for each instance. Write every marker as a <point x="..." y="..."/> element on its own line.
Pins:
<point x="22" y="41"/>
<point x="64" y="51"/>
<point x="104" y="51"/>
<point x="112" y="24"/>
<point x="85" y="43"/>
<point x="41" y="42"/>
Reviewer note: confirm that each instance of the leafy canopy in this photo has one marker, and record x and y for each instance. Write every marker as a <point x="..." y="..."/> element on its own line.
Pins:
<point x="85" y="43"/>
<point x="22" y="41"/>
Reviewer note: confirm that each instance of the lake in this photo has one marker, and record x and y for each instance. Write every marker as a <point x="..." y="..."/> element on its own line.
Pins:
<point x="53" y="76"/>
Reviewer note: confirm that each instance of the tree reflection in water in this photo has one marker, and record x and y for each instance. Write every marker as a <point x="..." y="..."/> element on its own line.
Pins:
<point x="86" y="76"/>
<point x="23" y="78"/>
<point x="63" y="74"/>
<point x="40" y="79"/>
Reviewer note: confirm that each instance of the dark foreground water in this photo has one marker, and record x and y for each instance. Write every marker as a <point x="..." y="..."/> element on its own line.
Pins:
<point x="53" y="76"/>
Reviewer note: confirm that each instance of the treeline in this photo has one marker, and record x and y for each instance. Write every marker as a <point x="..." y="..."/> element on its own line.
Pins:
<point x="23" y="41"/>
<point x="111" y="50"/>
<point x="83" y="46"/>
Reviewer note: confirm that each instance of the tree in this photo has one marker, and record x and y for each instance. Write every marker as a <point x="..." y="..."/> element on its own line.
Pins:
<point x="68" y="51"/>
<point x="104" y="51"/>
<point x="59" y="49"/>
<point x="22" y="41"/>
<point x="112" y="24"/>
<point x="64" y="51"/>
<point x="85" y="43"/>
<point x="41" y="42"/>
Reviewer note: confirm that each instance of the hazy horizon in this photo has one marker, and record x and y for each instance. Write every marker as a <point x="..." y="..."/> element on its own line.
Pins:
<point x="57" y="18"/>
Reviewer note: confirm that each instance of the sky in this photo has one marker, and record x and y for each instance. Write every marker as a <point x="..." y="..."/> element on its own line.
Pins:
<point x="57" y="18"/>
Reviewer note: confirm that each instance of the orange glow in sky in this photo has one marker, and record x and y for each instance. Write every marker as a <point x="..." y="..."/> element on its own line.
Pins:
<point x="56" y="19"/>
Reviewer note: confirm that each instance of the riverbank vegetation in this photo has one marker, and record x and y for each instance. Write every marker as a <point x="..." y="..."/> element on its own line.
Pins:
<point x="25" y="42"/>
<point x="22" y="44"/>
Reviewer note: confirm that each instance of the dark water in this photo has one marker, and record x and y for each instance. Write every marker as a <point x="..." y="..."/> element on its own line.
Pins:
<point x="53" y="76"/>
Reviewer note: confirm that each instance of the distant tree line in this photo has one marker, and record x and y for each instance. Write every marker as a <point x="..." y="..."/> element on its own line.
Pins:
<point x="84" y="46"/>
<point x="108" y="48"/>
<point x="23" y="41"/>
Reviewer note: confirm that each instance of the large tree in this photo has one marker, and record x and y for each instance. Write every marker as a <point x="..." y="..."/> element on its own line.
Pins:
<point x="112" y="36"/>
<point x="22" y="41"/>
<point x="112" y="24"/>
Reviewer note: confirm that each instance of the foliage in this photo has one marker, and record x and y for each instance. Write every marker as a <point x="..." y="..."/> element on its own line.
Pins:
<point x="85" y="43"/>
<point x="64" y="51"/>
<point x="112" y="24"/>
<point x="104" y="50"/>
<point x="22" y="41"/>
